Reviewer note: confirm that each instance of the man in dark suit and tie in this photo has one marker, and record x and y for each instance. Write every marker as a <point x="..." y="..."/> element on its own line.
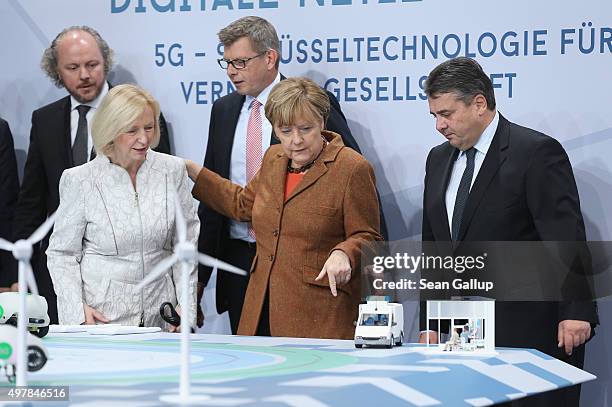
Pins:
<point x="495" y="181"/>
<point x="9" y="188"/>
<point x="239" y="129"/>
<point x="79" y="60"/>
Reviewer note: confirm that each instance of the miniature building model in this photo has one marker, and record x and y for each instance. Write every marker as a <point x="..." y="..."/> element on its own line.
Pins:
<point x="471" y="323"/>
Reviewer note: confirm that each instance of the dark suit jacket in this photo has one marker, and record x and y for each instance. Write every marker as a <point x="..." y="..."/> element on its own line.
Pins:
<point x="9" y="189"/>
<point x="333" y="207"/>
<point x="524" y="191"/>
<point x="214" y="232"/>
<point x="49" y="154"/>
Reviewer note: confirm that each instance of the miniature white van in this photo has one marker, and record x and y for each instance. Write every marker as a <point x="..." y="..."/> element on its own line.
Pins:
<point x="380" y="323"/>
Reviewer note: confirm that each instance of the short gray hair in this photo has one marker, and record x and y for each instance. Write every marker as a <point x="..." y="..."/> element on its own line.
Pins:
<point x="259" y="31"/>
<point x="48" y="62"/>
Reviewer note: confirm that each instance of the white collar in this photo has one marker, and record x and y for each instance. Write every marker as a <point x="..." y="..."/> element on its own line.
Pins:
<point x="485" y="139"/>
<point x="263" y="95"/>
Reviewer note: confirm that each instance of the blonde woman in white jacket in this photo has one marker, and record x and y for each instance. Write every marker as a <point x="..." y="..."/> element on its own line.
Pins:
<point x="116" y="220"/>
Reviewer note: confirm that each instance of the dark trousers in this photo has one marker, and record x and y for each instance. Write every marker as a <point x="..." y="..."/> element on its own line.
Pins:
<point x="263" y="327"/>
<point x="240" y="254"/>
<point x="44" y="282"/>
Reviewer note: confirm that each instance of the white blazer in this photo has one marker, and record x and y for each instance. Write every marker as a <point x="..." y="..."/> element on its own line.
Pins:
<point x="108" y="236"/>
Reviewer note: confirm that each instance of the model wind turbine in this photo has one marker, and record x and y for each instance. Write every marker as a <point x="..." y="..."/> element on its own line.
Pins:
<point x="186" y="254"/>
<point x="22" y="251"/>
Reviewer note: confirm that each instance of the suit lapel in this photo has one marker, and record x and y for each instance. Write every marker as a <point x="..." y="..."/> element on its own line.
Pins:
<point x="490" y="166"/>
<point x="277" y="176"/>
<point x="310" y="178"/>
<point x="273" y="139"/>
<point x="320" y="167"/>
<point x="440" y="192"/>
<point x="228" y="130"/>
<point x="64" y="129"/>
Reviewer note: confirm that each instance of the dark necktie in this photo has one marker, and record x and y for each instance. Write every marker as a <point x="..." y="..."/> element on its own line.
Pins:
<point x="79" y="148"/>
<point x="463" y="192"/>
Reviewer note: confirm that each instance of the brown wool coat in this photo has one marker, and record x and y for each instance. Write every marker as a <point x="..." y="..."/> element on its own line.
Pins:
<point x="333" y="207"/>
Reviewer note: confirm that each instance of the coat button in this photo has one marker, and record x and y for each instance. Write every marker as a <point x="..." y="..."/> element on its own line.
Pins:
<point x="275" y="233"/>
<point x="271" y="257"/>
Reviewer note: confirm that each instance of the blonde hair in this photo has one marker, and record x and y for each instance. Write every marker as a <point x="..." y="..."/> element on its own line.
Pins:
<point x="119" y="109"/>
<point x="295" y="97"/>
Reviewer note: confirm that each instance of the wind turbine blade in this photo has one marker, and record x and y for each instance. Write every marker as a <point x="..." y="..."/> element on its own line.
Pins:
<point x="158" y="270"/>
<point x="212" y="262"/>
<point x="5" y="245"/>
<point x="30" y="280"/>
<point x="42" y="230"/>
<point x="181" y="226"/>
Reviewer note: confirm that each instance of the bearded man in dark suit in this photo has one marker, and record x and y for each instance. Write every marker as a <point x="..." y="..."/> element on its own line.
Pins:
<point x="78" y="60"/>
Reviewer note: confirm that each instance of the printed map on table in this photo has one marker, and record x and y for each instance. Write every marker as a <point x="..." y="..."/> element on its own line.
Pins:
<point x="236" y="371"/>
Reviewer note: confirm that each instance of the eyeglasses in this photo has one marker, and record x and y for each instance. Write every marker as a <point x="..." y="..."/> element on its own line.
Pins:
<point x="237" y="63"/>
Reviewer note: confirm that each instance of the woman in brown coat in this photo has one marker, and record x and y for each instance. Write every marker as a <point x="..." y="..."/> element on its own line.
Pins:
<point x="313" y="207"/>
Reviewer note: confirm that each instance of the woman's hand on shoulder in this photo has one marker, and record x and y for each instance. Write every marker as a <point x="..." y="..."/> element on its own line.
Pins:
<point x="92" y="316"/>
<point x="338" y="270"/>
<point x="193" y="169"/>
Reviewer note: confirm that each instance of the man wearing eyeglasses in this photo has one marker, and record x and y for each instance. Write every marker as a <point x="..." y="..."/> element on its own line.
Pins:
<point x="239" y="134"/>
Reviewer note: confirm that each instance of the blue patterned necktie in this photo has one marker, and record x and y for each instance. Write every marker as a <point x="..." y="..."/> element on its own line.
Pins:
<point x="463" y="192"/>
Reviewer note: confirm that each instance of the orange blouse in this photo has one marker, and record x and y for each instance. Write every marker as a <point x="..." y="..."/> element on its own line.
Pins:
<point x="291" y="182"/>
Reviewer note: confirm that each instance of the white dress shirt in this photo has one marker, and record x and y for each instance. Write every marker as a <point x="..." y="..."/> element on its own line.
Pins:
<point x="482" y="146"/>
<point x="74" y="117"/>
<point x="239" y="230"/>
